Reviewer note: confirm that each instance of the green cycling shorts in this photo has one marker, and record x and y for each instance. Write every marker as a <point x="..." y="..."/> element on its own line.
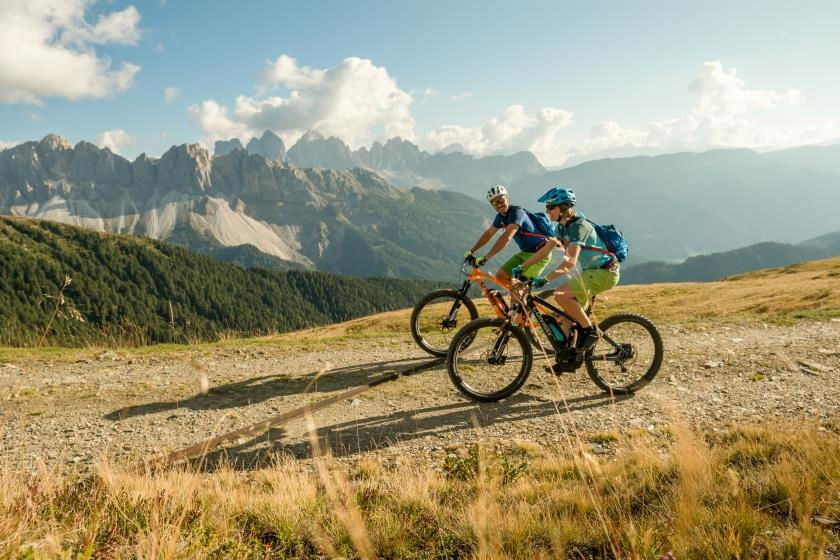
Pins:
<point x="591" y="282"/>
<point x="532" y="271"/>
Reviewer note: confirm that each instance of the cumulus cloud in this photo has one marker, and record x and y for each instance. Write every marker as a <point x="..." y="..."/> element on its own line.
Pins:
<point x="354" y="100"/>
<point x="171" y="93"/>
<point x="514" y="131"/>
<point x="721" y="92"/>
<point x="114" y="140"/>
<point x="46" y="50"/>
<point x="720" y="117"/>
<point x="360" y="102"/>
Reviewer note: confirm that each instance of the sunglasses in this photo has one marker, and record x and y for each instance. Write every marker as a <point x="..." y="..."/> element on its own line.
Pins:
<point x="500" y="201"/>
<point x="551" y="207"/>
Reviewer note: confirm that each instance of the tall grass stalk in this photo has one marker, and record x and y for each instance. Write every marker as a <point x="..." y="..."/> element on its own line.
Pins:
<point x="754" y="492"/>
<point x="59" y="301"/>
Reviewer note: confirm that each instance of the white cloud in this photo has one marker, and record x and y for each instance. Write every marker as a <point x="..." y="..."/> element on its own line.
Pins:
<point x="214" y="120"/>
<point x="171" y="93"/>
<point x="513" y="131"/>
<point x="461" y="96"/>
<point x="114" y="140"/>
<point x="158" y="48"/>
<point x="721" y="92"/>
<point x="117" y="27"/>
<point x="4" y="145"/>
<point x="354" y="100"/>
<point x="720" y="117"/>
<point x="46" y="50"/>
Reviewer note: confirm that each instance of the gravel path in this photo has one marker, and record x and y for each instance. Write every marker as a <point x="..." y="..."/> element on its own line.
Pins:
<point x="69" y="414"/>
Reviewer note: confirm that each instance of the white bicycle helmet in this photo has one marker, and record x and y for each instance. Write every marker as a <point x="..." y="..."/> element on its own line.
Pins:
<point x="496" y="190"/>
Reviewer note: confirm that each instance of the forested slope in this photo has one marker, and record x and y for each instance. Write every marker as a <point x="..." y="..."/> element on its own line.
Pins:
<point x="127" y="289"/>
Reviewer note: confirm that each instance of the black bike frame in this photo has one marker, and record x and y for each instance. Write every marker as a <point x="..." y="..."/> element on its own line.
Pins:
<point x="532" y="308"/>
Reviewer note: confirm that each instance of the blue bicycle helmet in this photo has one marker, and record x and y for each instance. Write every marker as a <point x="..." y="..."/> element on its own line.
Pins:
<point x="559" y="195"/>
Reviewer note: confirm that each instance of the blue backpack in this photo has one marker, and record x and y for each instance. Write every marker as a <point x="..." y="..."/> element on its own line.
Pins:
<point x="542" y="222"/>
<point x="613" y="239"/>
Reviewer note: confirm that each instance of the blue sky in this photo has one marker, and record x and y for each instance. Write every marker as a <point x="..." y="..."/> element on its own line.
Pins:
<point x="562" y="79"/>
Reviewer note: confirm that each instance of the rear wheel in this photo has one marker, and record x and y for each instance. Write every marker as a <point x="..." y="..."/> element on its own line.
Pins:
<point x="631" y="360"/>
<point x="431" y="324"/>
<point x="489" y="359"/>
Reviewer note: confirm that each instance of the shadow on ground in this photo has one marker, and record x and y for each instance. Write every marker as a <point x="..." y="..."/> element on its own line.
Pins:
<point x="258" y="389"/>
<point x="378" y="432"/>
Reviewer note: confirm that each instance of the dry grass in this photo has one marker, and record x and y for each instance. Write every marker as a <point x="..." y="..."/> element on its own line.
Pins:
<point x="752" y="493"/>
<point x="798" y="292"/>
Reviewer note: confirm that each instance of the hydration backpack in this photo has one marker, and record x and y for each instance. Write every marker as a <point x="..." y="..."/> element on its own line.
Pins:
<point x="613" y="239"/>
<point x="542" y="223"/>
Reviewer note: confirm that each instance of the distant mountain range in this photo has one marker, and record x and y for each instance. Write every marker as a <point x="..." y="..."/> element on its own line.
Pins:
<point x="399" y="161"/>
<point x="395" y="210"/>
<point x="677" y="205"/>
<point x="670" y="206"/>
<point x="705" y="268"/>
<point x="348" y="221"/>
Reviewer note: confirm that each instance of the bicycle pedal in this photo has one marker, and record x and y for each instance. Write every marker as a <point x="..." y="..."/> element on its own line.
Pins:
<point x="560" y="369"/>
<point x="557" y="372"/>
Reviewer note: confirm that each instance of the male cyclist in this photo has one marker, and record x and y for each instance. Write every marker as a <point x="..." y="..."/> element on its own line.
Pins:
<point x="598" y="269"/>
<point x="518" y="225"/>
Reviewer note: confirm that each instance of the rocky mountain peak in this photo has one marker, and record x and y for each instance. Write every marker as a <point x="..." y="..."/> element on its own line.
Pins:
<point x="186" y="166"/>
<point x="453" y="148"/>
<point x="313" y="150"/>
<point x="270" y="146"/>
<point x="224" y="147"/>
<point x="310" y="136"/>
<point x="55" y="142"/>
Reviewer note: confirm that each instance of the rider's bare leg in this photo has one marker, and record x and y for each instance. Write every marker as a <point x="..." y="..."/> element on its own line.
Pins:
<point x="567" y="301"/>
<point x="503" y="278"/>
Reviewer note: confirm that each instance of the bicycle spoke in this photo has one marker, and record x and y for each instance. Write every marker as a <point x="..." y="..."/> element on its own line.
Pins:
<point x="627" y="356"/>
<point x="485" y="366"/>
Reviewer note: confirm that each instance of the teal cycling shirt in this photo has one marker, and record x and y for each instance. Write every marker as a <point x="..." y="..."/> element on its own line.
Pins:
<point x="578" y="231"/>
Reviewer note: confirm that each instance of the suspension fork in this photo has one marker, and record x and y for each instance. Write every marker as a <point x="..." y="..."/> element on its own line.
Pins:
<point x="456" y="305"/>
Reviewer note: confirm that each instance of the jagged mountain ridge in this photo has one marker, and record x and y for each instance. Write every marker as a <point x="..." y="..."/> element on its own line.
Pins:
<point x="401" y="162"/>
<point x="349" y="221"/>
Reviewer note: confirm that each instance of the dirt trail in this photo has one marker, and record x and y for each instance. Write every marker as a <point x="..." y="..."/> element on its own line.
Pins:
<point x="69" y="414"/>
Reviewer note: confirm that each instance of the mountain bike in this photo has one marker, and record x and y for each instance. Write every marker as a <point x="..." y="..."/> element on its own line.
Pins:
<point x="437" y="315"/>
<point x="490" y="359"/>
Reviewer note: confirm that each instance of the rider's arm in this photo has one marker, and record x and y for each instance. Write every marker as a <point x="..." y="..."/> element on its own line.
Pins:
<point x="502" y="242"/>
<point x="485" y="237"/>
<point x="572" y="253"/>
<point x="550" y="244"/>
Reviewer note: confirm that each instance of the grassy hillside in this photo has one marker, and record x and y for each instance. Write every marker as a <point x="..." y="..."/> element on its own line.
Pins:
<point x="131" y="290"/>
<point x="801" y="291"/>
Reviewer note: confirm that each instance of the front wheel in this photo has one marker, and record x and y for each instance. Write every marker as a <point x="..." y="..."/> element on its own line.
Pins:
<point x="489" y="359"/>
<point x="628" y="355"/>
<point x="435" y="318"/>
